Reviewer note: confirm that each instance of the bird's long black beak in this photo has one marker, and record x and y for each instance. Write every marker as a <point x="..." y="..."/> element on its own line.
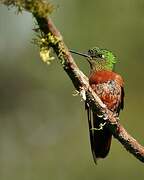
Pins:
<point x="79" y="53"/>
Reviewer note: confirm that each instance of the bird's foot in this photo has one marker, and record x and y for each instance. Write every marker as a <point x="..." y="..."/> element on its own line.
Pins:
<point x="116" y="116"/>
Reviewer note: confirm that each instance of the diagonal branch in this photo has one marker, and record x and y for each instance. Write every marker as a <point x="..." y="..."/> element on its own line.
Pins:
<point x="79" y="80"/>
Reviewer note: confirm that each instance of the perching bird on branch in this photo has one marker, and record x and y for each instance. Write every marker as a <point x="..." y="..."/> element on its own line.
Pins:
<point x="109" y="86"/>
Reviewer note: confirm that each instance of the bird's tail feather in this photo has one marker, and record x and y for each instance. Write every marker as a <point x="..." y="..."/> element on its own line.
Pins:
<point x="101" y="138"/>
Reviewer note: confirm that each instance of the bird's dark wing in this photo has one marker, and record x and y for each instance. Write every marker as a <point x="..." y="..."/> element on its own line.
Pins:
<point x="121" y="101"/>
<point x="122" y="98"/>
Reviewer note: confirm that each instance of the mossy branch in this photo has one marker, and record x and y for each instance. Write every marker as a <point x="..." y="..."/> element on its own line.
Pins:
<point x="50" y="38"/>
<point x="39" y="7"/>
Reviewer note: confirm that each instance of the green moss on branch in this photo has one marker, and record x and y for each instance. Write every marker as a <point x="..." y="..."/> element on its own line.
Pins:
<point x="40" y="8"/>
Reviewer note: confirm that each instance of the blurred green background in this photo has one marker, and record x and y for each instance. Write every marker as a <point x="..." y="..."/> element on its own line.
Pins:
<point x="43" y="128"/>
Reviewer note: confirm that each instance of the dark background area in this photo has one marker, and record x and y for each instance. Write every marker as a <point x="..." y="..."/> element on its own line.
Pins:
<point x="43" y="128"/>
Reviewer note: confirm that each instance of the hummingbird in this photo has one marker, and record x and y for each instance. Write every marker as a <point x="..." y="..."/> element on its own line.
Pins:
<point x="109" y="86"/>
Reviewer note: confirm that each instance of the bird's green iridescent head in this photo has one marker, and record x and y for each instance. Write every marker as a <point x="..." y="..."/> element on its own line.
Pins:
<point x="101" y="59"/>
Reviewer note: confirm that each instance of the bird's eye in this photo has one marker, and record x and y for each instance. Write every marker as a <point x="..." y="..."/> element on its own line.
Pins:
<point x="101" y="56"/>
